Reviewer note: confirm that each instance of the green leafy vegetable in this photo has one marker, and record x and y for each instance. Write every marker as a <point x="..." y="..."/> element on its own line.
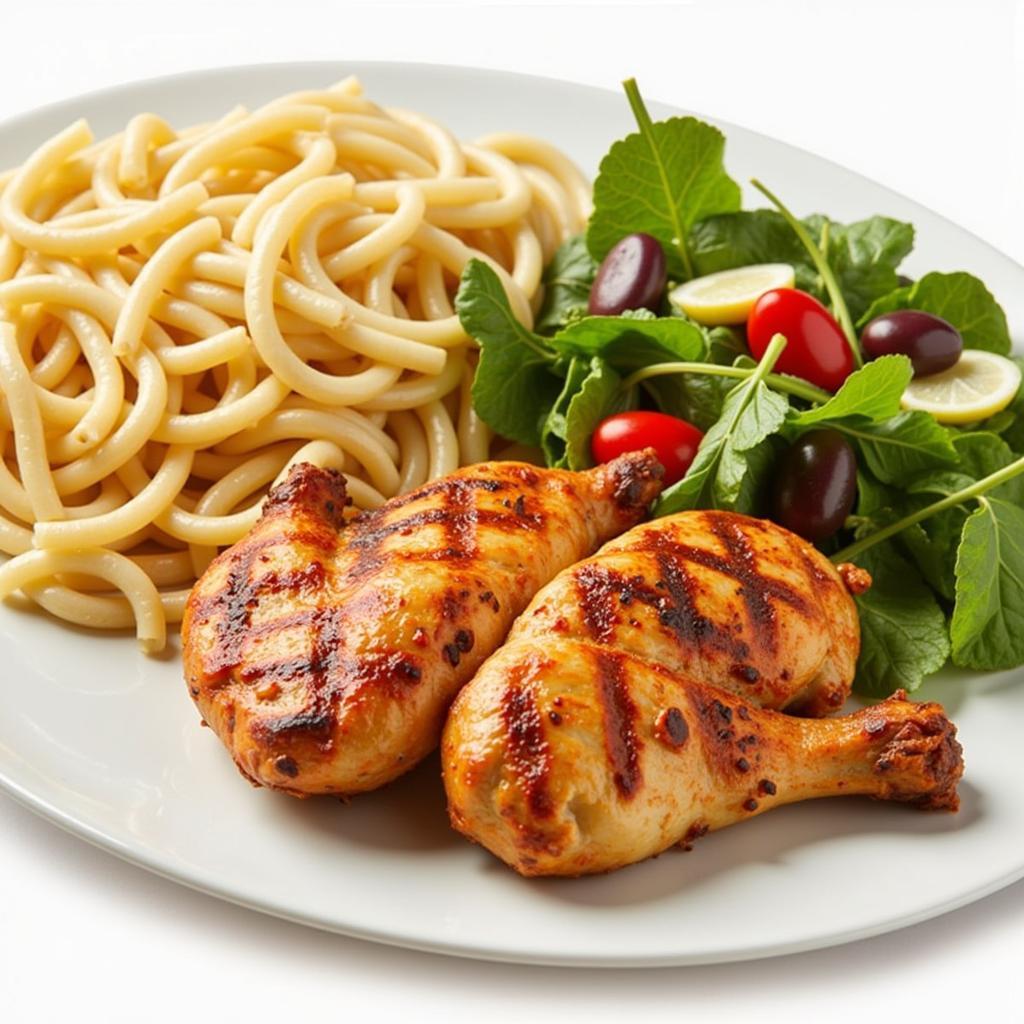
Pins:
<point x="987" y="628"/>
<point x="864" y="256"/>
<point x="567" y="280"/>
<point x="959" y="298"/>
<point x="903" y="629"/>
<point x="631" y="341"/>
<point x="745" y="237"/>
<point x="514" y="387"/>
<point x="1010" y="422"/>
<point x="592" y="392"/>
<point x="751" y="413"/>
<point x="660" y="180"/>
<point x="901" y="447"/>
<point x="555" y="429"/>
<point x="698" y="397"/>
<point x="872" y="392"/>
<point x="933" y="544"/>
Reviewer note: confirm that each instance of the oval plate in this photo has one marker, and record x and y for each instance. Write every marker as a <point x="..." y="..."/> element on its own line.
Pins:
<point x="107" y="744"/>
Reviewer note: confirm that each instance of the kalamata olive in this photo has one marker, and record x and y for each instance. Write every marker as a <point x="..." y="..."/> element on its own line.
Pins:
<point x="631" y="276"/>
<point x="815" y="484"/>
<point x="932" y="344"/>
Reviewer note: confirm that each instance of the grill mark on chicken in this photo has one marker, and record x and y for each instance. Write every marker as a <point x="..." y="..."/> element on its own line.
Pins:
<point x="337" y="625"/>
<point x="679" y="612"/>
<point x="240" y="590"/>
<point x="458" y="516"/>
<point x="309" y="577"/>
<point x="237" y="600"/>
<point x="716" y="722"/>
<point x="315" y="722"/>
<point x="596" y="589"/>
<point x="472" y="483"/>
<point x="739" y="564"/>
<point x="529" y="755"/>
<point x="461" y="519"/>
<point x="619" y="714"/>
<point x="755" y="594"/>
<point x="602" y="591"/>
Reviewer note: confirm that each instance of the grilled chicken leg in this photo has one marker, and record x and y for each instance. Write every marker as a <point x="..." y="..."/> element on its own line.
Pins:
<point x="563" y="757"/>
<point x="325" y="654"/>
<point x="728" y="600"/>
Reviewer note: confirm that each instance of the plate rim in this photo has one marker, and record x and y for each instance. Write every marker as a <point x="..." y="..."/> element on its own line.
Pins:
<point x="139" y="855"/>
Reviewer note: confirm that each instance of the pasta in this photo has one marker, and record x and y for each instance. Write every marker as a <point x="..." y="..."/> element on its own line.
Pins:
<point x="186" y="314"/>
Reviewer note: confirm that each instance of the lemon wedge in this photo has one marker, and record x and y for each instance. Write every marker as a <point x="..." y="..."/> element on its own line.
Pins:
<point x="728" y="296"/>
<point x="978" y="385"/>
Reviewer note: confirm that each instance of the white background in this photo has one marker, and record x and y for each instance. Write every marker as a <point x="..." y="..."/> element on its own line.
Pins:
<point x="926" y="97"/>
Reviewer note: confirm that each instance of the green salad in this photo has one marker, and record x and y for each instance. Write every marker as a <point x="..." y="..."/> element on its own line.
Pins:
<point x="782" y="367"/>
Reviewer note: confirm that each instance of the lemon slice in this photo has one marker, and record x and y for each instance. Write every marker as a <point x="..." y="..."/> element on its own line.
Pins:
<point x="728" y="296"/>
<point x="978" y="385"/>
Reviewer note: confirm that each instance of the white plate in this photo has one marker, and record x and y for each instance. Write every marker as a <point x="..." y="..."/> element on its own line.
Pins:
<point x="107" y="744"/>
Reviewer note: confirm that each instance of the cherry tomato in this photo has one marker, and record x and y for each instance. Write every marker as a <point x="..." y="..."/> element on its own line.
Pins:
<point x="817" y="351"/>
<point x="675" y="440"/>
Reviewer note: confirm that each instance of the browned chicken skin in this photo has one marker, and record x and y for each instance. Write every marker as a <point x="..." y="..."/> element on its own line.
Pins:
<point x="325" y="654"/>
<point x="565" y="757"/>
<point x="636" y="702"/>
<point x="728" y="600"/>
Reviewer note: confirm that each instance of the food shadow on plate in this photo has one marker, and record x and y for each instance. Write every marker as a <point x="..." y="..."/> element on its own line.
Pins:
<point x="407" y="815"/>
<point x="954" y="687"/>
<point x="766" y="840"/>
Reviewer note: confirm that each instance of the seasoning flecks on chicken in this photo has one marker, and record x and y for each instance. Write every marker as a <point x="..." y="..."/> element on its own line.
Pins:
<point x="725" y="599"/>
<point x="325" y="654"/>
<point x="564" y="757"/>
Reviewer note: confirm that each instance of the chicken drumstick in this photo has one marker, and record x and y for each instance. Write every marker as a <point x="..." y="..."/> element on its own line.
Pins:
<point x="565" y="757"/>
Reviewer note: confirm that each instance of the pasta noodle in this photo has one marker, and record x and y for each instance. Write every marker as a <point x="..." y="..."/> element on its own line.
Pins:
<point x="186" y="314"/>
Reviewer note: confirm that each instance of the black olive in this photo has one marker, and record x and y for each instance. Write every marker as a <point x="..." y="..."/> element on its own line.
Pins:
<point x="631" y="276"/>
<point x="932" y="344"/>
<point x="815" y="484"/>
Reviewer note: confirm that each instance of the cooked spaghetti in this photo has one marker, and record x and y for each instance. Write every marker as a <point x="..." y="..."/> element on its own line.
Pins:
<point x="185" y="314"/>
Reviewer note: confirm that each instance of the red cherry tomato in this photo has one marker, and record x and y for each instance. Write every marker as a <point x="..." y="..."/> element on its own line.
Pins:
<point x="817" y="349"/>
<point x="675" y="440"/>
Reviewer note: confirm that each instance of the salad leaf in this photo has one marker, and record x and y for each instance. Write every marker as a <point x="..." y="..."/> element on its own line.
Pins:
<point x="934" y="543"/>
<point x="872" y="392"/>
<point x="864" y="256"/>
<point x="959" y="298"/>
<point x="932" y="546"/>
<point x="632" y="341"/>
<point x="555" y="429"/>
<point x="600" y="395"/>
<point x="739" y="239"/>
<point x="567" y="280"/>
<point x="903" y="629"/>
<point x="900" y="447"/>
<point x="746" y="490"/>
<point x="592" y="391"/>
<point x="698" y="397"/>
<point x="981" y="453"/>
<point x="987" y="628"/>
<point x="661" y="180"/>
<point x="751" y="413"/>
<point x="1009" y="423"/>
<point x="514" y="387"/>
